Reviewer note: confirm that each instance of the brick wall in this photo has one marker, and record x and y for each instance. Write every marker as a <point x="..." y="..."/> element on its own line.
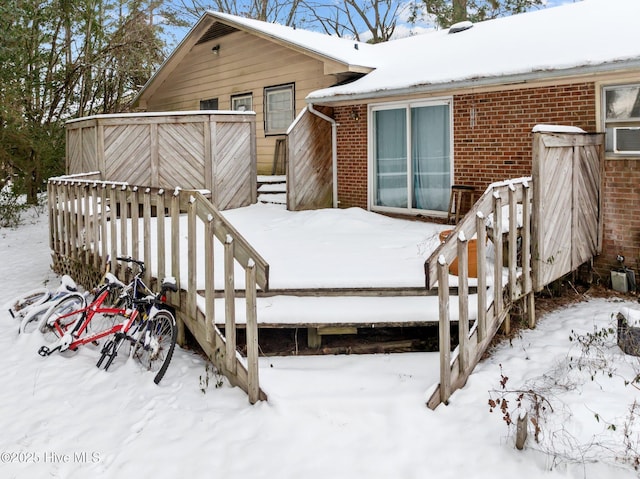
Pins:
<point x="621" y="205"/>
<point x="492" y="142"/>
<point x="492" y="131"/>
<point x="352" y="155"/>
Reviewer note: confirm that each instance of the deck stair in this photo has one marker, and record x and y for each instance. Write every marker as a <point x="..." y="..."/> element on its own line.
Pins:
<point x="272" y="189"/>
<point x="551" y="224"/>
<point x="498" y="287"/>
<point x="348" y="311"/>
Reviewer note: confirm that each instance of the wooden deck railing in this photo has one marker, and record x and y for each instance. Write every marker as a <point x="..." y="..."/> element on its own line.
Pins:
<point x="92" y="220"/>
<point x="511" y="200"/>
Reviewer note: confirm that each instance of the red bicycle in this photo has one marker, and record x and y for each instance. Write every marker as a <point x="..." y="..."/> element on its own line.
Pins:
<point x="139" y="318"/>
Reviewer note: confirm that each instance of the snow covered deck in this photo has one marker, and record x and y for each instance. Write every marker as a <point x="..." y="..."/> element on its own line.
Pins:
<point x="340" y="267"/>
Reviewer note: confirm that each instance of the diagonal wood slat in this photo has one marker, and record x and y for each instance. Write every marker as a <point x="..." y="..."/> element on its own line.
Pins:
<point x="212" y="151"/>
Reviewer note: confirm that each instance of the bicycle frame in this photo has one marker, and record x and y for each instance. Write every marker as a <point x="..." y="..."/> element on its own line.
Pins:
<point x="72" y="337"/>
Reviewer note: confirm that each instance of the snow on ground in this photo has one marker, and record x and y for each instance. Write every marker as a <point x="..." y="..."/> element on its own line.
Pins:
<point x="337" y="248"/>
<point x="331" y="416"/>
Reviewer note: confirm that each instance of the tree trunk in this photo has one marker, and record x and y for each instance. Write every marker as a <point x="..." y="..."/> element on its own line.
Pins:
<point x="459" y="11"/>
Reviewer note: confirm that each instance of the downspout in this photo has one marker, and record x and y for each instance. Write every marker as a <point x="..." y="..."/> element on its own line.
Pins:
<point x="334" y="149"/>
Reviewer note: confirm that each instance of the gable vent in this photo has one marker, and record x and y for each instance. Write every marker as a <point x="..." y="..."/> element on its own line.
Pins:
<point x="460" y="27"/>
<point x="217" y="30"/>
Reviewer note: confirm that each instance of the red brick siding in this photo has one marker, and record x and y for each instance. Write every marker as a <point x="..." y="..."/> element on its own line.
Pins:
<point x="621" y="205"/>
<point x="352" y="155"/>
<point x="492" y="131"/>
<point x="495" y="143"/>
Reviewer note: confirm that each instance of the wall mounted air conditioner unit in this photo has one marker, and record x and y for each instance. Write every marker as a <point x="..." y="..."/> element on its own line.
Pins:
<point x="626" y="140"/>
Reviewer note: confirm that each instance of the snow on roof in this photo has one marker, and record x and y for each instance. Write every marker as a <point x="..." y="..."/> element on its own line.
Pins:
<point x="592" y="35"/>
<point x="344" y="50"/>
<point x="557" y="129"/>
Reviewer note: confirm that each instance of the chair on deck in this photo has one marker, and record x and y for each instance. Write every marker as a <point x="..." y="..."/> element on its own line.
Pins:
<point x="461" y="200"/>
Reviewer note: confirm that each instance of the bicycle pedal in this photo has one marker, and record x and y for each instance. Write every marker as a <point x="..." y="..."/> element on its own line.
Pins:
<point x="44" y="351"/>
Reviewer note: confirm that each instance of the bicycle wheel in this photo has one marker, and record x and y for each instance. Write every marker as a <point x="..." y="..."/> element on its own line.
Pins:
<point x="155" y="343"/>
<point x="31" y="320"/>
<point x="63" y="314"/>
<point x="20" y="305"/>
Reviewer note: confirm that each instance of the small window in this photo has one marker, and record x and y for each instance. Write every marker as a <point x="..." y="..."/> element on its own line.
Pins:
<point x="211" y="104"/>
<point x="278" y="107"/>
<point x="242" y="102"/>
<point x="621" y="107"/>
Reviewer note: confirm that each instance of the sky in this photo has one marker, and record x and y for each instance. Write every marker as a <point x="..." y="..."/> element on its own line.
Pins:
<point x="175" y="35"/>
<point x="338" y="416"/>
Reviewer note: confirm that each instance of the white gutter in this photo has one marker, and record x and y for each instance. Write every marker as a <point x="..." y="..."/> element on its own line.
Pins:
<point x="334" y="149"/>
<point x="327" y="97"/>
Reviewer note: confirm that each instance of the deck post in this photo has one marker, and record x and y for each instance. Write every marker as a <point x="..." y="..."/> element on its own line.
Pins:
<point x="105" y="216"/>
<point x="252" y="333"/>
<point x="210" y="286"/>
<point x="513" y="242"/>
<point x="124" y="214"/>
<point x="113" y="216"/>
<point x="96" y="214"/>
<point x="135" y="216"/>
<point x="526" y="255"/>
<point x="481" y="229"/>
<point x="463" y="303"/>
<point x="445" y="331"/>
<point x="175" y="256"/>
<point x="497" y="270"/>
<point x="229" y="306"/>
<point x="160" y="227"/>
<point x="73" y="221"/>
<point x="53" y="215"/>
<point x="146" y="233"/>
<point x="192" y="267"/>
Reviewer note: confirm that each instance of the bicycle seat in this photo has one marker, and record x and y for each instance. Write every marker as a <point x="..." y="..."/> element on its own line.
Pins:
<point x="111" y="280"/>
<point x="169" y="284"/>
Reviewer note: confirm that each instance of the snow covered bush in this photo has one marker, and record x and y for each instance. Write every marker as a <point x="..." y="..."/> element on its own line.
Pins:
<point x="11" y="207"/>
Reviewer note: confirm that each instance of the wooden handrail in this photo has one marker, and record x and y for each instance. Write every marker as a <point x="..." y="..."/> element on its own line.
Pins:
<point x="457" y="365"/>
<point x="92" y="220"/>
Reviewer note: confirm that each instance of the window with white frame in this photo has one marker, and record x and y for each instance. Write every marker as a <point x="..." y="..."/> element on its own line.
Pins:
<point x="621" y="111"/>
<point x="242" y="102"/>
<point x="278" y="108"/>
<point x="411" y="156"/>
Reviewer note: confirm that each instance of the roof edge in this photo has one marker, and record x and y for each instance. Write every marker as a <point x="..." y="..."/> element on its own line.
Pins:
<point x="506" y="80"/>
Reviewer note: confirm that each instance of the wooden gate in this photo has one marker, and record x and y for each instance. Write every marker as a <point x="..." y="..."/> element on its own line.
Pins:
<point x="309" y="169"/>
<point x="567" y="213"/>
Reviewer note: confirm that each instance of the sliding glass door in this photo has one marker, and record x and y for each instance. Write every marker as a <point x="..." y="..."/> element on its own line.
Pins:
<point x="411" y="156"/>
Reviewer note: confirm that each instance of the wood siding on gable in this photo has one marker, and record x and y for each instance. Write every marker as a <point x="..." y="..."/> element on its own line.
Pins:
<point x="244" y="64"/>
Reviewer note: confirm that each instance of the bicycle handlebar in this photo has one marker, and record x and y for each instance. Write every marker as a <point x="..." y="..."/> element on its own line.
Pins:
<point x="129" y="259"/>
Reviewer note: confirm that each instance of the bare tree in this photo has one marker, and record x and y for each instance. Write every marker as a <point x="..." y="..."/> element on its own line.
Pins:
<point x="284" y="12"/>
<point x="447" y="12"/>
<point x="366" y="20"/>
<point x="62" y="59"/>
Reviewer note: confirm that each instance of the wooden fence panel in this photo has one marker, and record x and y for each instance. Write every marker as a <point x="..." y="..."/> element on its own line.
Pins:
<point x="233" y="179"/>
<point x="191" y="150"/>
<point x="127" y="154"/>
<point x="567" y="172"/>
<point x="587" y="179"/>
<point x="310" y="170"/>
<point x="181" y="155"/>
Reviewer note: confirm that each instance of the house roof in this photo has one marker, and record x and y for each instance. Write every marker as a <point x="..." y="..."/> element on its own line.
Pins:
<point x="350" y="55"/>
<point x="349" y="52"/>
<point x="585" y="37"/>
